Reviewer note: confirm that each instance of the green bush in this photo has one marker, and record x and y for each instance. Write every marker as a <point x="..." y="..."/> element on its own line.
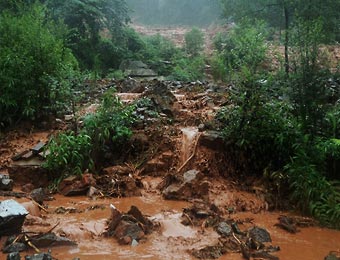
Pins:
<point x="69" y="153"/>
<point x="244" y="46"/>
<point x="188" y="69"/>
<point x="34" y="65"/>
<point x="104" y="132"/>
<point x="257" y="126"/>
<point x="194" y="42"/>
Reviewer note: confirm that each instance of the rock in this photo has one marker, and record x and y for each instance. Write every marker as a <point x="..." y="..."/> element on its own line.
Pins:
<point x="118" y="169"/>
<point x="333" y="256"/>
<point x="189" y="176"/>
<point x="38" y="148"/>
<point x="212" y="140"/>
<point x="38" y="195"/>
<point x="6" y="184"/>
<point x="92" y="192"/>
<point x="137" y="214"/>
<point x="14" y="256"/>
<point x="14" y="247"/>
<point x="189" y="186"/>
<point x="259" y="234"/>
<point x="128" y="227"/>
<point x="127" y="231"/>
<point x="224" y="229"/>
<point x="51" y="239"/>
<point x="136" y="69"/>
<point x="12" y="217"/>
<point x="41" y="256"/>
<point x="73" y="186"/>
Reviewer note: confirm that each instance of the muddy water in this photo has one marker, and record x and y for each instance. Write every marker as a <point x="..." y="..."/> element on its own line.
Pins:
<point x="173" y="240"/>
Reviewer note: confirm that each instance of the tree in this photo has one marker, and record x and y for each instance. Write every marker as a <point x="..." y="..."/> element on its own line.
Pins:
<point x="88" y="21"/>
<point x="34" y="64"/>
<point x="281" y="14"/>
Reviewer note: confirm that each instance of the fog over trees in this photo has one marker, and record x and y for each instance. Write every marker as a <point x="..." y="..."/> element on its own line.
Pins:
<point x="175" y="12"/>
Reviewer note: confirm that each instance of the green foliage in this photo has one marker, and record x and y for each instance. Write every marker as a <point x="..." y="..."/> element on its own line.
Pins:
<point x="258" y="127"/>
<point x="244" y="46"/>
<point x="34" y="65"/>
<point x="158" y="53"/>
<point x="194" y="42"/>
<point x="110" y="125"/>
<point x="69" y="154"/>
<point x="188" y="69"/>
<point x="219" y="69"/>
<point x="104" y="132"/>
<point x="311" y="191"/>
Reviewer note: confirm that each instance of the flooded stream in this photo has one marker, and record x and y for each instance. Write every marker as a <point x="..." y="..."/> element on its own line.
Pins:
<point x="173" y="240"/>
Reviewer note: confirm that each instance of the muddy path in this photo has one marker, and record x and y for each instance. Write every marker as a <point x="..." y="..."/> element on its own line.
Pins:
<point x="181" y="183"/>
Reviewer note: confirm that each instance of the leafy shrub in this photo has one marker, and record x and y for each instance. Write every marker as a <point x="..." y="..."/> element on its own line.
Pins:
<point x="244" y="46"/>
<point x="194" y="41"/>
<point x="34" y="65"/>
<point x="188" y="69"/>
<point x="259" y="127"/>
<point x="69" y="153"/>
<point x="311" y="191"/>
<point x="104" y="132"/>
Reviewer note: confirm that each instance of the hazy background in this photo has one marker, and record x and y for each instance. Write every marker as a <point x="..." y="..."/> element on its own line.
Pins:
<point x="175" y="12"/>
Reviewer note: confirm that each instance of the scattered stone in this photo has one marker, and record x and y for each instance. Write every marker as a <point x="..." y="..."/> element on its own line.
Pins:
<point x="38" y="148"/>
<point x="224" y="229"/>
<point x="14" y="247"/>
<point x="38" y="195"/>
<point x="190" y="185"/>
<point x="130" y="227"/>
<point x="333" y="256"/>
<point x="12" y="217"/>
<point x="209" y="252"/>
<point x="41" y="256"/>
<point x="50" y="240"/>
<point x="260" y="234"/>
<point x="117" y="170"/>
<point x="73" y="186"/>
<point x="287" y="224"/>
<point x="212" y="140"/>
<point x="6" y="184"/>
<point x="14" y="256"/>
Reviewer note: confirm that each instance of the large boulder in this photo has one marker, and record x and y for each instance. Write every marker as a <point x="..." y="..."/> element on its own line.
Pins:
<point x="135" y="68"/>
<point x="12" y="217"/>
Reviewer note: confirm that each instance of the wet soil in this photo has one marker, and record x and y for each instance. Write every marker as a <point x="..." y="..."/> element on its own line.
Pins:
<point x="172" y="148"/>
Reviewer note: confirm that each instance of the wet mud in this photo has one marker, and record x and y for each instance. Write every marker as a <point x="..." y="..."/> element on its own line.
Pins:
<point x="210" y="212"/>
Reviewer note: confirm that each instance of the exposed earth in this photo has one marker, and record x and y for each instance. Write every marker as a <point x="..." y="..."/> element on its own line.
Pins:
<point x="188" y="203"/>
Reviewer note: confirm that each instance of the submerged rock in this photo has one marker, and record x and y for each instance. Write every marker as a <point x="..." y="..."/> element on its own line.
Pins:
<point x="224" y="229"/>
<point x="189" y="186"/>
<point x="51" y="239"/>
<point x="14" y="247"/>
<point x="41" y="256"/>
<point x="260" y="234"/>
<point x="14" y="256"/>
<point x="128" y="228"/>
<point x="12" y="217"/>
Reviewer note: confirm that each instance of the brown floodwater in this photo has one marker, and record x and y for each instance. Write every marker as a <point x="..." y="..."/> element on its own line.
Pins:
<point x="173" y="240"/>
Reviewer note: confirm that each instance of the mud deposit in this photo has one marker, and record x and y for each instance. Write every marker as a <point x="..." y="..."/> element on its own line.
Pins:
<point x="209" y="213"/>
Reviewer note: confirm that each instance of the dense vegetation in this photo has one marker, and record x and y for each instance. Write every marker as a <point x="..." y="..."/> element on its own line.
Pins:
<point x="283" y="123"/>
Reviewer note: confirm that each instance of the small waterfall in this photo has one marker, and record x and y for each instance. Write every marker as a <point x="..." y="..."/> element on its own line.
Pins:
<point x="188" y="142"/>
